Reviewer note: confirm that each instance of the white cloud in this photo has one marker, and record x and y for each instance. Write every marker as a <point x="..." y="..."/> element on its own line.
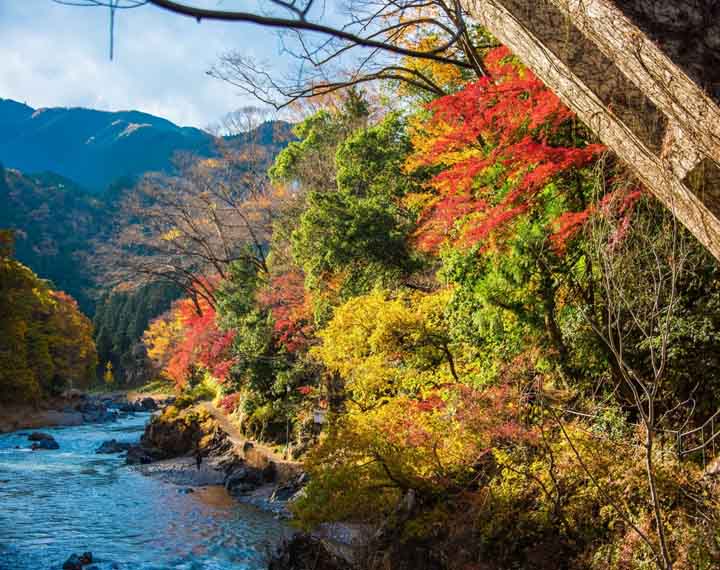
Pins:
<point x="53" y="55"/>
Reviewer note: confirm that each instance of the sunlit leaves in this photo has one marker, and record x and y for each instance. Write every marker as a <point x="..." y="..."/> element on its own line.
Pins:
<point x="45" y="341"/>
<point x="497" y="143"/>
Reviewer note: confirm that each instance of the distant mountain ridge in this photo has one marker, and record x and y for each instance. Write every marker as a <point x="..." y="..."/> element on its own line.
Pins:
<point x="63" y="170"/>
<point x="95" y="148"/>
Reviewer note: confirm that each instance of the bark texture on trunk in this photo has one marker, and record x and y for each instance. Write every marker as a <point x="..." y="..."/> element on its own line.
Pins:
<point x="644" y="75"/>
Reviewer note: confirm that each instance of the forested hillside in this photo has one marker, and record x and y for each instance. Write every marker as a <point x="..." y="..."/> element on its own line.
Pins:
<point x="120" y="320"/>
<point x="46" y="343"/>
<point x="62" y="229"/>
<point x="479" y="331"/>
<point x="55" y="223"/>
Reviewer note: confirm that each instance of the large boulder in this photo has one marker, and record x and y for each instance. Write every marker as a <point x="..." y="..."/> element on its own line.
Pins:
<point x="175" y="435"/>
<point x="139" y="455"/>
<point x="148" y="404"/>
<point x="95" y="410"/>
<point x="42" y="440"/>
<point x="243" y="480"/>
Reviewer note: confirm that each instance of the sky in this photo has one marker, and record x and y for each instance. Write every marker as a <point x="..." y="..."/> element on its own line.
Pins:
<point x="53" y="55"/>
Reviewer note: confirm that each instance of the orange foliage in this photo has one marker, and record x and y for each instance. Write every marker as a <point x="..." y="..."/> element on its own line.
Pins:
<point x="496" y="143"/>
<point x="187" y="340"/>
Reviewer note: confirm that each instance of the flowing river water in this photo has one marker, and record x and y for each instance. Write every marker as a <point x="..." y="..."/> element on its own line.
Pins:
<point x="55" y="503"/>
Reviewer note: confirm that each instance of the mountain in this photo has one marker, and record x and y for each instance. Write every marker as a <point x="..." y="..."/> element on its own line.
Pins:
<point x="62" y="172"/>
<point x="54" y="223"/>
<point x="92" y="148"/>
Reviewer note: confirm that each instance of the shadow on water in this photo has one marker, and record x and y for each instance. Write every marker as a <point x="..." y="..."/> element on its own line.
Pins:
<point x="54" y="503"/>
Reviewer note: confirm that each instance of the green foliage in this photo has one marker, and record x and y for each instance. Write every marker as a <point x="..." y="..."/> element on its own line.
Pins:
<point x="121" y="319"/>
<point x="305" y="161"/>
<point x="264" y="373"/>
<point x="358" y="234"/>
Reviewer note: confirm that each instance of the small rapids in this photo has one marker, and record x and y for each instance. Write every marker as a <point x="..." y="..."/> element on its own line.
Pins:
<point x="55" y="503"/>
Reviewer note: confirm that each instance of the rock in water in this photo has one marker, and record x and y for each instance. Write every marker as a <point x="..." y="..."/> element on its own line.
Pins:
<point x="72" y="563"/>
<point x="113" y="446"/>
<point x="148" y="404"/>
<point x="42" y="441"/>
<point x="45" y="444"/>
<point x="76" y="562"/>
<point x="40" y="436"/>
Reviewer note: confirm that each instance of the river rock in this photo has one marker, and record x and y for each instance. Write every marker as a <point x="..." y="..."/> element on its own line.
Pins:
<point x="72" y="563"/>
<point x="148" y="404"/>
<point x="243" y="479"/>
<point x="139" y="455"/>
<point x="42" y="441"/>
<point x="113" y="446"/>
<point x="95" y="411"/>
<point x="45" y="444"/>
<point x="75" y="562"/>
<point x="40" y="436"/>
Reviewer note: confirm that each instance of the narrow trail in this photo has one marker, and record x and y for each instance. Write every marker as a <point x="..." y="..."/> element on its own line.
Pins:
<point x="239" y="440"/>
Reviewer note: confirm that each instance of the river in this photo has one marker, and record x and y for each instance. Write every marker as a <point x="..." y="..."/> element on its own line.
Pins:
<point x="55" y="503"/>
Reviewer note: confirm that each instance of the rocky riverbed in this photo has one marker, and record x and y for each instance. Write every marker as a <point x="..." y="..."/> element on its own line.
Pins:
<point x="76" y="408"/>
<point x="72" y="500"/>
<point x="251" y="474"/>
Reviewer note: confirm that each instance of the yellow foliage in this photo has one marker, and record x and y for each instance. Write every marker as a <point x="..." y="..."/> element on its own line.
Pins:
<point x="382" y="346"/>
<point x="161" y="336"/>
<point x="171" y="235"/>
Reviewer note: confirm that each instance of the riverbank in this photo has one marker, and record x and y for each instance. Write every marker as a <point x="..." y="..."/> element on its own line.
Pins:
<point x="253" y="474"/>
<point x="81" y="501"/>
<point x="77" y="408"/>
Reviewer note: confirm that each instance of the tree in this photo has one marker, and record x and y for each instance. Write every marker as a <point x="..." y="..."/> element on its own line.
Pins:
<point x="121" y="318"/>
<point x="358" y="233"/>
<point x="187" y="228"/>
<point x="382" y="346"/>
<point x="379" y="40"/>
<point x="641" y="261"/>
<point x="185" y="342"/>
<point x="108" y="377"/>
<point x="46" y="342"/>
<point x="498" y="144"/>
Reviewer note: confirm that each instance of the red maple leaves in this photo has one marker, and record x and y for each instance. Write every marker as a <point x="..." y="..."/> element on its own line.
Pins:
<point x="499" y="143"/>
<point x="289" y="304"/>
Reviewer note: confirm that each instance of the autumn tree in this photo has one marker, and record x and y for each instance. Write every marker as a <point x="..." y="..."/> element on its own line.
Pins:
<point x="509" y="160"/>
<point x="186" y="228"/>
<point x="46" y="343"/>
